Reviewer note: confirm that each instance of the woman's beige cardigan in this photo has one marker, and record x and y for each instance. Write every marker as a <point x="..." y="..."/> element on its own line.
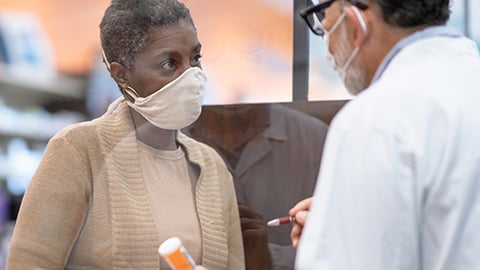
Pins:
<point x="87" y="208"/>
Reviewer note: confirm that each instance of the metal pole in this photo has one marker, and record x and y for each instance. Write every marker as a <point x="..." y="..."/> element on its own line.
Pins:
<point x="300" y="53"/>
<point x="466" y="16"/>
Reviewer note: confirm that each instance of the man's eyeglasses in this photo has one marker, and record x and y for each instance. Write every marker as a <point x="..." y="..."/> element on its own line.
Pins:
<point x="315" y="14"/>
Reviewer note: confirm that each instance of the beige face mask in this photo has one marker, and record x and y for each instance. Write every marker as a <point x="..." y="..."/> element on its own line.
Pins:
<point x="176" y="105"/>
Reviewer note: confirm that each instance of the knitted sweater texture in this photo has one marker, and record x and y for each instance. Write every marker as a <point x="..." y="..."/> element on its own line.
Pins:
<point x="87" y="208"/>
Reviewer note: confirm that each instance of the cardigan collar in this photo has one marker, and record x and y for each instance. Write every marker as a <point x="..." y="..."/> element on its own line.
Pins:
<point x="134" y="236"/>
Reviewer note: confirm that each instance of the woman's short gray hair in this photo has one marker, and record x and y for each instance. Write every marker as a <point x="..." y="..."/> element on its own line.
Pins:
<point x="126" y="25"/>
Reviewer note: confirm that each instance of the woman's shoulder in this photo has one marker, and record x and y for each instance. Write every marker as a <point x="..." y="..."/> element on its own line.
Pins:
<point x="81" y="130"/>
<point x="109" y="124"/>
<point x="79" y="137"/>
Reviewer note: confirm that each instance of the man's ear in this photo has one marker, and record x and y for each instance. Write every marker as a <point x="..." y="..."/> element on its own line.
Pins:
<point x="120" y="74"/>
<point x="360" y="26"/>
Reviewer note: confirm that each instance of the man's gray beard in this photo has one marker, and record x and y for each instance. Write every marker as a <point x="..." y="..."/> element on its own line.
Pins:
<point x="355" y="81"/>
<point x="355" y="77"/>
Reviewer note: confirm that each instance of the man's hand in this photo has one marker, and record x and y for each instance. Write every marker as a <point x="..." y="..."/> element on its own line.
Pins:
<point x="255" y="242"/>
<point x="300" y="212"/>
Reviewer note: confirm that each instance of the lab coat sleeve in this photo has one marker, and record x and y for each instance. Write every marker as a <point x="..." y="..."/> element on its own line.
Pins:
<point x="363" y="215"/>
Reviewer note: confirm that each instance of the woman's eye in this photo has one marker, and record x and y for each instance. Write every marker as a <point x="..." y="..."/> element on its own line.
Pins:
<point x="196" y="60"/>
<point x="169" y="65"/>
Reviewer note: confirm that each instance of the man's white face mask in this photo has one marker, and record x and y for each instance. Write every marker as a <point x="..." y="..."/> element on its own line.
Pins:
<point x="176" y="105"/>
<point x="354" y="77"/>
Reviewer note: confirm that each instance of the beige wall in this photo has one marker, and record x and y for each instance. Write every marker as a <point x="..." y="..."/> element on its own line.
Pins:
<point x="247" y="45"/>
<point x="71" y="26"/>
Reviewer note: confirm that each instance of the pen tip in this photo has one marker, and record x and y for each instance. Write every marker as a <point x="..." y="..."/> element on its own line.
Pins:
<point x="273" y="222"/>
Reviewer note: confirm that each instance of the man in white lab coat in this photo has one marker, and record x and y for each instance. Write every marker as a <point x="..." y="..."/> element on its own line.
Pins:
<point x="399" y="187"/>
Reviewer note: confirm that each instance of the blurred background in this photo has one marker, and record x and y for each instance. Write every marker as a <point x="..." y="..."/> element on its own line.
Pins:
<point x="51" y="74"/>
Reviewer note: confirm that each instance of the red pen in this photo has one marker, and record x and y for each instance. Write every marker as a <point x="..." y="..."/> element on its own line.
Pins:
<point x="280" y="221"/>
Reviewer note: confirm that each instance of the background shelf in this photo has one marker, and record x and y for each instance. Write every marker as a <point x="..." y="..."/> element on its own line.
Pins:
<point x="25" y="92"/>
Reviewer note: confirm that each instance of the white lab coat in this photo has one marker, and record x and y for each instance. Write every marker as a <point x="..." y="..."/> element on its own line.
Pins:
<point x="399" y="187"/>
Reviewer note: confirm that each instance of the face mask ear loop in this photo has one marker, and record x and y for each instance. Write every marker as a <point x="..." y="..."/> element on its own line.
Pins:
<point x="337" y="23"/>
<point x="350" y="59"/>
<point x="131" y="92"/>
<point x="107" y="64"/>
<point x="105" y="60"/>
<point x="363" y="25"/>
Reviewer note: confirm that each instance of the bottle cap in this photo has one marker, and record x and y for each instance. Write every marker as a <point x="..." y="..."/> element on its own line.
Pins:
<point x="169" y="246"/>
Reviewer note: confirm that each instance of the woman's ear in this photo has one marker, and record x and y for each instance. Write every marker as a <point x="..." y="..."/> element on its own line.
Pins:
<point x="360" y="26"/>
<point x="120" y="74"/>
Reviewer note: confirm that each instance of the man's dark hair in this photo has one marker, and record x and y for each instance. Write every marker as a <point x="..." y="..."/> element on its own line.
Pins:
<point x="411" y="13"/>
<point x="126" y="25"/>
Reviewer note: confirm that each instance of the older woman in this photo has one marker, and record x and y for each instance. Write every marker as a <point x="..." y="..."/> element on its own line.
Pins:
<point x="109" y="191"/>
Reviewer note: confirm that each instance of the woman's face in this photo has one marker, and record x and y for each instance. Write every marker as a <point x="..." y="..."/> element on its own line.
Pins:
<point x="170" y="51"/>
